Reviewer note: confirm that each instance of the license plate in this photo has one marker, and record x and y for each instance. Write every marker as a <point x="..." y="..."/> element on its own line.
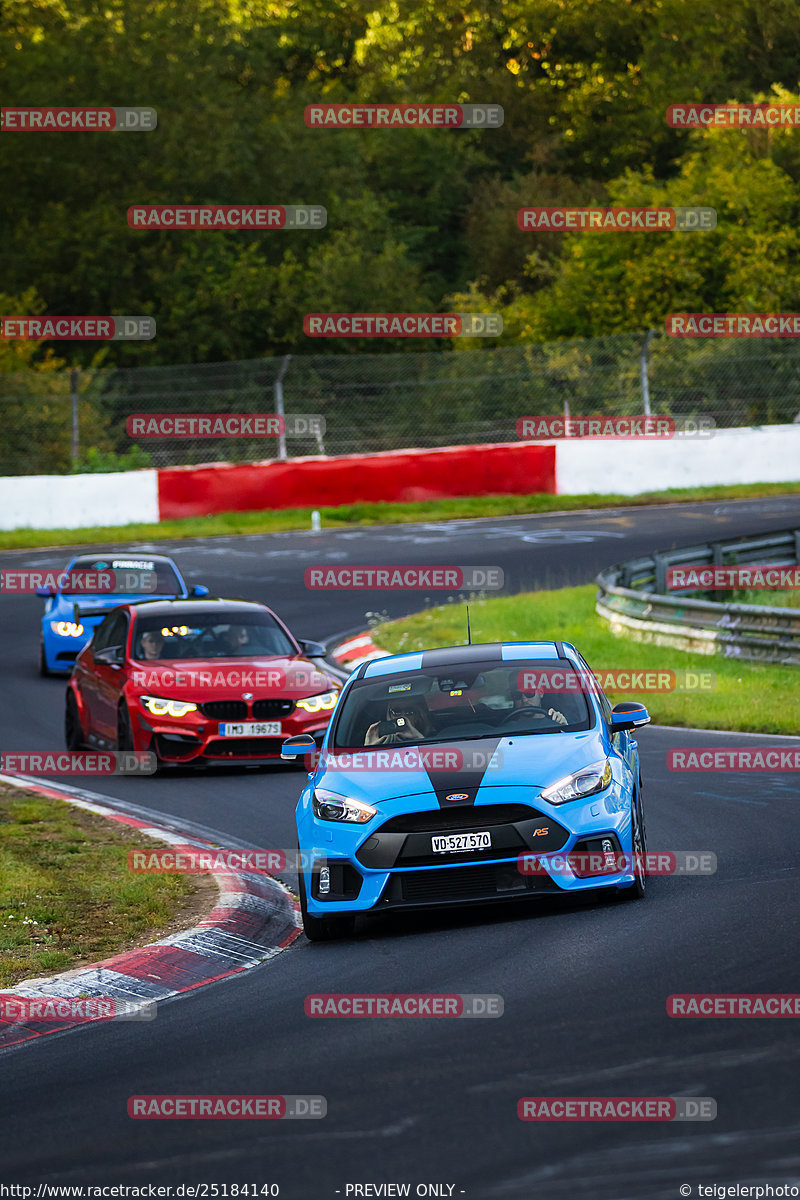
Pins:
<point x="250" y="729"/>
<point x="455" y="843"/>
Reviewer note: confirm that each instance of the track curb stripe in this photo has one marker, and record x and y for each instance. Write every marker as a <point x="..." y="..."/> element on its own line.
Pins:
<point x="255" y="917"/>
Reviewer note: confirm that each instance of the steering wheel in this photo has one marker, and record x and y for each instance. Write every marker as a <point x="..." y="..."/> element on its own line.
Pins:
<point x="537" y="714"/>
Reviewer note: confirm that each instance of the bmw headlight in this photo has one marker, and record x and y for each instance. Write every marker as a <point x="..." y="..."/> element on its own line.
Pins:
<point x="585" y="782"/>
<point x="313" y="704"/>
<point x="167" y="708"/>
<point x="328" y="806"/>
<point x="66" y="628"/>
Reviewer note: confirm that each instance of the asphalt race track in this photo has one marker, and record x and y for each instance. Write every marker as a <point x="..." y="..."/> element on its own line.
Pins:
<point x="584" y="984"/>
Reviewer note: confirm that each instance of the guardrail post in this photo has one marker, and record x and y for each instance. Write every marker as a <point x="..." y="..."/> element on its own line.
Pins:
<point x="661" y="573"/>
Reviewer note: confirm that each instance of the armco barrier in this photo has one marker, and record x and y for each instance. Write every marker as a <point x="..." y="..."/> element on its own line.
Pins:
<point x="399" y="475"/>
<point x="633" y="600"/>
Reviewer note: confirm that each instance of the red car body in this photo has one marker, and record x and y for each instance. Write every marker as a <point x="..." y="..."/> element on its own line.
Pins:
<point x="241" y="706"/>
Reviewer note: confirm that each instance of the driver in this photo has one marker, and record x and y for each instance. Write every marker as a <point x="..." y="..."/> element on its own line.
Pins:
<point x="152" y="644"/>
<point x="406" y="721"/>
<point x="531" y="703"/>
<point x="235" y="638"/>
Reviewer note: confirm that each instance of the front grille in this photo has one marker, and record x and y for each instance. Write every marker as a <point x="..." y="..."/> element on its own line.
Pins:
<point x="225" y="710"/>
<point x="443" y="820"/>
<point x="246" y="747"/>
<point x="460" y="883"/>
<point x="270" y="709"/>
<point x="67" y="655"/>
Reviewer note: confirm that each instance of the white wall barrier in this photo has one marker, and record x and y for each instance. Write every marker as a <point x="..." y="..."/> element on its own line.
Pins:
<point x="766" y="454"/>
<point x="75" y="501"/>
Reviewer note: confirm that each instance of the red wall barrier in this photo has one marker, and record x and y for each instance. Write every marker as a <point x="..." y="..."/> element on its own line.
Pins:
<point x="512" y="468"/>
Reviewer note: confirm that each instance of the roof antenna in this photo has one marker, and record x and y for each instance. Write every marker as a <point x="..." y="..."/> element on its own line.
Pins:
<point x="469" y="631"/>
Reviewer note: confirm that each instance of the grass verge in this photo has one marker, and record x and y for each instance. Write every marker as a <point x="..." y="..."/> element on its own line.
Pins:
<point x="66" y="895"/>
<point x="746" y="696"/>
<point x="289" y="519"/>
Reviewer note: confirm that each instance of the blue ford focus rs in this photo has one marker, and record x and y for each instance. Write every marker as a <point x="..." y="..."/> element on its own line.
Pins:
<point x="465" y="775"/>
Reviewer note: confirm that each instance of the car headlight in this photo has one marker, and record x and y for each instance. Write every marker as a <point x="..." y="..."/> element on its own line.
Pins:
<point x="330" y="807"/>
<point x="66" y="628"/>
<point x="585" y="782"/>
<point x="167" y="708"/>
<point x="319" y="703"/>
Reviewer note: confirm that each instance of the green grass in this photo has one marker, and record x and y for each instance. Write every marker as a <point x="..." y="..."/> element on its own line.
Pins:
<point x="66" y="894"/>
<point x="283" y="520"/>
<point x="747" y="696"/>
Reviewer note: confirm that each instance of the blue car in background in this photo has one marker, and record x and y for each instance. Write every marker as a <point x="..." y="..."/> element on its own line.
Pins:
<point x="464" y="775"/>
<point x="64" y="635"/>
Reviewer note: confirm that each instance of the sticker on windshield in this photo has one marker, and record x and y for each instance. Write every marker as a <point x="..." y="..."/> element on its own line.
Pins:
<point x="135" y="564"/>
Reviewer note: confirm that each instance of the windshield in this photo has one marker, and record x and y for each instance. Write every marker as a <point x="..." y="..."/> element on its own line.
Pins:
<point x="480" y="700"/>
<point x="128" y="576"/>
<point x="187" y="634"/>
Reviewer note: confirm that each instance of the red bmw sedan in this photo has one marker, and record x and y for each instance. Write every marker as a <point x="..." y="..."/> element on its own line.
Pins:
<point x="197" y="681"/>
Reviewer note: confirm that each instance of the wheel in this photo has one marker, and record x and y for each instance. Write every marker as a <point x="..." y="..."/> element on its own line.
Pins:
<point x="44" y="670"/>
<point x="322" y="929"/>
<point x="73" y="731"/>
<point x="124" y="731"/>
<point x="639" y="843"/>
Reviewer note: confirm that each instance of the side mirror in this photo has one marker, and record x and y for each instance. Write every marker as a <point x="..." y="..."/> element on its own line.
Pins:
<point x="312" y="649"/>
<point x="298" y="746"/>
<point x="113" y="656"/>
<point x="46" y="592"/>
<point x="199" y="589"/>
<point x="628" y="715"/>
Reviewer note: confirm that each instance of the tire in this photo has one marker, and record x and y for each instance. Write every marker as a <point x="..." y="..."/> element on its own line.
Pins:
<point x="124" y="731"/>
<point x="322" y="929"/>
<point x="639" y="845"/>
<point x="73" y="730"/>
<point x="44" y="670"/>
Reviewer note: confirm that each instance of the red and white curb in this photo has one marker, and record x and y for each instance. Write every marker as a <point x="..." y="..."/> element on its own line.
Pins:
<point x="354" y="651"/>
<point x="254" y="919"/>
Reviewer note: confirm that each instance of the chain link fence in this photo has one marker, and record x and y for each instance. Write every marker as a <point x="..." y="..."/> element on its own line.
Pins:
<point x="57" y="422"/>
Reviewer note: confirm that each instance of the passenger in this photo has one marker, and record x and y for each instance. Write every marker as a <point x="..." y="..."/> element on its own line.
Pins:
<point x="405" y="722"/>
<point x="152" y="644"/>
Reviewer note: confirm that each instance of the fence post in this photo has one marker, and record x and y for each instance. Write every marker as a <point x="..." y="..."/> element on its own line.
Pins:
<point x="73" y="396"/>
<point x="643" y="372"/>
<point x="279" y="405"/>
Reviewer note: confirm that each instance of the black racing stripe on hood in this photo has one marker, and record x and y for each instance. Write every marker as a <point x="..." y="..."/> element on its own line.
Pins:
<point x="455" y="656"/>
<point x="466" y="780"/>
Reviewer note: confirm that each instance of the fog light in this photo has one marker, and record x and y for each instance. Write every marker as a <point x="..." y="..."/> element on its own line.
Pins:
<point x="324" y="881"/>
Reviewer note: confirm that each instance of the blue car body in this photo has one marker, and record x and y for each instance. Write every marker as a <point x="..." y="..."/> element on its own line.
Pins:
<point x="60" y="642"/>
<point x="387" y="862"/>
